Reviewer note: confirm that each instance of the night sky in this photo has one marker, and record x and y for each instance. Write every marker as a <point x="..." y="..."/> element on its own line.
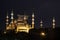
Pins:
<point x="43" y="9"/>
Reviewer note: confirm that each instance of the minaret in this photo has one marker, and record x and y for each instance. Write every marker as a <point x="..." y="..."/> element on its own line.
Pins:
<point x="41" y="24"/>
<point x="7" y="20"/>
<point x="53" y="24"/>
<point x="33" y="20"/>
<point x="12" y="17"/>
<point x="12" y="21"/>
<point x="7" y="23"/>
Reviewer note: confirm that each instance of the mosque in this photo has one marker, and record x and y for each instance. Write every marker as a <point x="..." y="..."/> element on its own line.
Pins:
<point x="20" y="24"/>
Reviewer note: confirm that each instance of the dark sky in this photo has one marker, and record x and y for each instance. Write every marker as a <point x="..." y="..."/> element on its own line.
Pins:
<point x="44" y="9"/>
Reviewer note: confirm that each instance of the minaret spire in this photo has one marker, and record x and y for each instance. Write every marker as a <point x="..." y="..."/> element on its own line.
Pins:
<point x="41" y="24"/>
<point x="33" y="20"/>
<point x="12" y="16"/>
<point x="7" y="20"/>
<point x="53" y="22"/>
<point x="12" y="20"/>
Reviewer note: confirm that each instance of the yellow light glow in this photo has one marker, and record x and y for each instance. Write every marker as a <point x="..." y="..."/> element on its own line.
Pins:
<point x="23" y="28"/>
<point x="42" y="34"/>
<point x="7" y="28"/>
